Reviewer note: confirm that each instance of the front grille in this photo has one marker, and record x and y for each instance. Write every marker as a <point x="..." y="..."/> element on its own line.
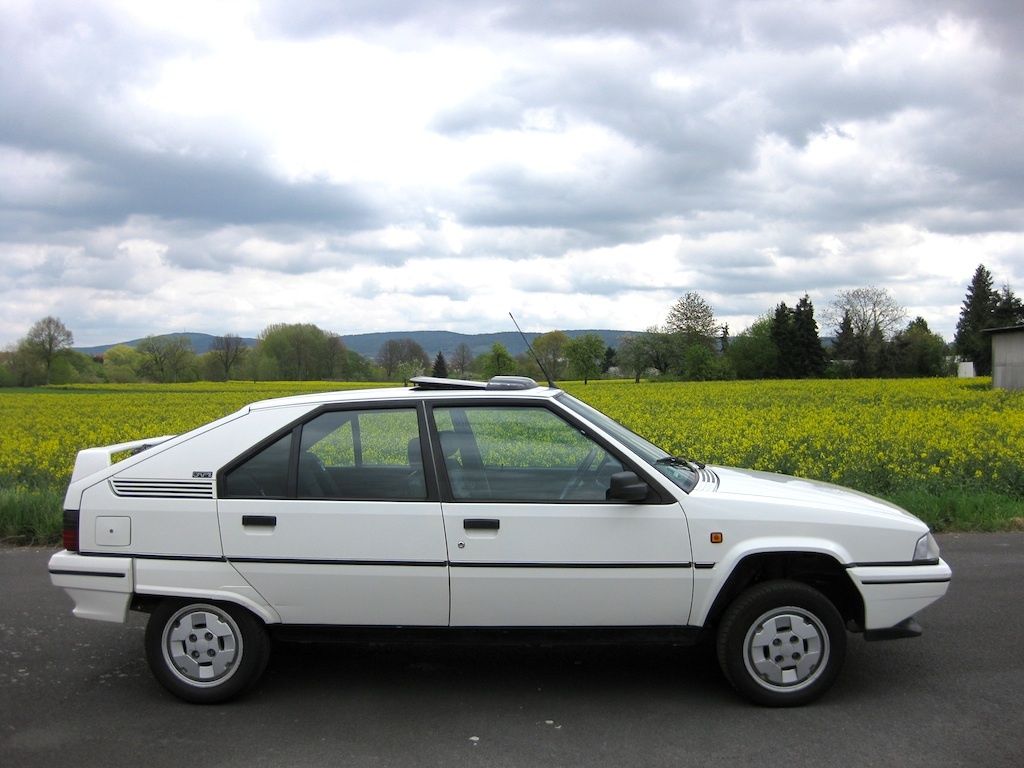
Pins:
<point x="162" y="489"/>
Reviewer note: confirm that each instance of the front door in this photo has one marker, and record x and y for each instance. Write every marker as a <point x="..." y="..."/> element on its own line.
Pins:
<point x="532" y="539"/>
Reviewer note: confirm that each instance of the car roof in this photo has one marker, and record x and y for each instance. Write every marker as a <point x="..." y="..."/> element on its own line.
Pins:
<point x="427" y="388"/>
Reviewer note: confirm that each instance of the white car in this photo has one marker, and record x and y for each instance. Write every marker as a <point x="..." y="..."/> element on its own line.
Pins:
<point x="475" y="511"/>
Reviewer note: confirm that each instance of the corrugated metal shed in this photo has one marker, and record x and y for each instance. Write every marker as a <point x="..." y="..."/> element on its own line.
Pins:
<point x="1007" y="357"/>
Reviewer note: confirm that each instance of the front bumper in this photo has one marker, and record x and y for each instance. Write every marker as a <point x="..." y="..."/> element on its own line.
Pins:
<point x="894" y="593"/>
<point x="101" y="587"/>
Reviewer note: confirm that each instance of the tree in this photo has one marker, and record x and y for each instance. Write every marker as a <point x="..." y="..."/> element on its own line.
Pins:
<point x="871" y="354"/>
<point x="977" y="313"/>
<point x="336" y="359"/>
<point x="753" y="353"/>
<point x="632" y="356"/>
<point x="404" y="353"/>
<point x="550" y="350"/>
<point x="919" y="352"/>
<point x="869" y="308"/>
<point x="585" y="354"/>
<point x="440" y="369"/>
<point x="462" y="359"/>
<point x="609" y="359"/>
<point x="296" y="352"/>
<point x="389" y="357"/>
<point x="845" y="346"/>
<point x="74" y="366"/>
<point x="227" y="351"/>
<point x="356" y="367"/>
<point x="6" y="371"/>
<point x="121" y="364"/>
<point x="808" y="354"/>
<point x="692" y="318"/>
<point x="698" y="363"/>
<point x="1009" y="309"/>
<point x="527" y="366"/>
<point x="663" y="353"/>
<point x="46" y="339"/>
<point x="23" y="367"/>
<point x="166" y="358"/>
<point x="783" y="334"/>
<point x="497" y="362"/>
<point x="866" y="318"/>
<point x="408" y="369"/>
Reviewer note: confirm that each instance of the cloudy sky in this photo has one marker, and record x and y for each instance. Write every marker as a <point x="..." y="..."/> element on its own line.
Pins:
<point x="372" y="165"/>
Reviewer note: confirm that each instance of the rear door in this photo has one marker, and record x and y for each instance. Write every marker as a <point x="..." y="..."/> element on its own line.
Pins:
<point x="532" y="538"/>
<point x="336" y="521"/>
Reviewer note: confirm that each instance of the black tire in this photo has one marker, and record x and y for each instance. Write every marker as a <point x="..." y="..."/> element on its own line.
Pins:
<point x="205" y="652"/>
<point x="781" y="643"/>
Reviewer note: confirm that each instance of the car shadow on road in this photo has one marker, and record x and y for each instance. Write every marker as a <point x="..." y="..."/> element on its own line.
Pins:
<point x="415" y="670"/>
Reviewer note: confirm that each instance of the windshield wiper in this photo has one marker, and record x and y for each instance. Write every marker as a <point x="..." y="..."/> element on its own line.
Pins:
<point x="679" y="461"/>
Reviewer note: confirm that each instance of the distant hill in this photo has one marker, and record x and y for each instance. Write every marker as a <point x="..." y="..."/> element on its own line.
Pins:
<point x="200" y="343"/>
<point x="368" y="344"/>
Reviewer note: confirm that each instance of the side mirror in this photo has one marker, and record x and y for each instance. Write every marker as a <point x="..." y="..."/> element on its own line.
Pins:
<point x="626" y="486"/>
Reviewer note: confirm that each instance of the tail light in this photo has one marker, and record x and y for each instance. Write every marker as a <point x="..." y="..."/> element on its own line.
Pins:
<point x="70" y="533"/>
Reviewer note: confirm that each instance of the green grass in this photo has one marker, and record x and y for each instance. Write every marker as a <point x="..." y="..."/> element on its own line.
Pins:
<point x="954" y="509"/>
<point x="31" y="515"/>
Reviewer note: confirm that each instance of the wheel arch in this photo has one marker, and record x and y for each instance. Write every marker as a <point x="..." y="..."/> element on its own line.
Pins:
<point x="820" y="570"/>
<point x="147" y="602"/>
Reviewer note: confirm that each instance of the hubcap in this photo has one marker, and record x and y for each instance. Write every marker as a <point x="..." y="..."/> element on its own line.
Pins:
<point x="202" y="645"/>
<point x="786" y="648"/>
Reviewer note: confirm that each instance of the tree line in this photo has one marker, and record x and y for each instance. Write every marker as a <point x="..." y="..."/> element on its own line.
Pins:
<point x="870" y="340"/>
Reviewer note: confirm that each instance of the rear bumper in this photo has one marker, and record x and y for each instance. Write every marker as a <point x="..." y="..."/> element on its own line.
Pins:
<point x="100" y="587"/>
<point x="893" y="594"/>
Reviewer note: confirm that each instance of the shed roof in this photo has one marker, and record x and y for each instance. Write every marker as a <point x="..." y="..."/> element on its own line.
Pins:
<point x="1004" y="329"/>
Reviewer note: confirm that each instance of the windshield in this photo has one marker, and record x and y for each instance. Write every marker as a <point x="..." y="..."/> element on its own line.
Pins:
<point x="680" y="474"/>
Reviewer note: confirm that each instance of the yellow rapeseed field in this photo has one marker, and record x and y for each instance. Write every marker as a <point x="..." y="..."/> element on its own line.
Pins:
<point x="43" y="429"/>
<point x="875" y="435"/>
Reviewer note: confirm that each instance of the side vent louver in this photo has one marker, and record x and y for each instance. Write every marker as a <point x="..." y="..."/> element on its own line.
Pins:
<point x="708" y="476"/>
<point x="162" y="489"/>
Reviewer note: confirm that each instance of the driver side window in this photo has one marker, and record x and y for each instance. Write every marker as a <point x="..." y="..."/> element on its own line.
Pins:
<point x="520" y="453"/>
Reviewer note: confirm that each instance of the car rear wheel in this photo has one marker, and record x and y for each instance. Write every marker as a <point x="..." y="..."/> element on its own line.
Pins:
<point x="781" y="643"/>
<point x="205" y="652"/>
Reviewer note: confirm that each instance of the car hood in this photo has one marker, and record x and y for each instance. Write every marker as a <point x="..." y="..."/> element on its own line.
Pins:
<point x="767" y="486"/>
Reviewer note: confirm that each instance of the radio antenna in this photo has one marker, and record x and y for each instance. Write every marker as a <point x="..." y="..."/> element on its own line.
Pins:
<point x="529" y="347"/>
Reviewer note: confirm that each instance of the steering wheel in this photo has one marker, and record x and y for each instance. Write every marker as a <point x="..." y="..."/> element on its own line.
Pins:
<point x="580" y="475"/>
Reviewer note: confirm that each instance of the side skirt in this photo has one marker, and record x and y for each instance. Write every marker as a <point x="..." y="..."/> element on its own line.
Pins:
<point x="497" y="636"/>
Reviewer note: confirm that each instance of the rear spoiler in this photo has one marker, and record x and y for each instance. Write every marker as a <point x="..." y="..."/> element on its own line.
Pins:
<point x="93" y="460"/>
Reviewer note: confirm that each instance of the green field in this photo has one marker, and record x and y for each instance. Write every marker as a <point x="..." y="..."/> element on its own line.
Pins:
<point x="951" y="451"/>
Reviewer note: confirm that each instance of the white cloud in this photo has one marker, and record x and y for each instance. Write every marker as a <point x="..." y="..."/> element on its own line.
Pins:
<point x="416" y="164"/>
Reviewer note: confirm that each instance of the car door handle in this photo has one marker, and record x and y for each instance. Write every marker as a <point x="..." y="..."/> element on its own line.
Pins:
<point x="481" y="525"/>
<point x="267" y="521"/>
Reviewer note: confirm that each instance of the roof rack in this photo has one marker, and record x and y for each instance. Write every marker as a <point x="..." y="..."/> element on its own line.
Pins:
<point x="506" y="383"/>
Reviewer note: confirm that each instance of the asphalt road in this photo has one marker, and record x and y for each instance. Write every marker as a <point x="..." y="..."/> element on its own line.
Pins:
<point x="76" y="692"/>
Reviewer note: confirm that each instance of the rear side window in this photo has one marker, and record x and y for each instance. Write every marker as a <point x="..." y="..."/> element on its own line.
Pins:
<point x="367" y="454"/>
<point x="265" y="474"/>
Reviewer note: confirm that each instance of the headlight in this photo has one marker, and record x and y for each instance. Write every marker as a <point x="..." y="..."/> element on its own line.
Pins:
<point x="927" y="549"/>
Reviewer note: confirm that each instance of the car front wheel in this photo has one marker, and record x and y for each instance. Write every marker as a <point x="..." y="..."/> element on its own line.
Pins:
<point x="781" y="643"/>
<point x="205" y="652"/>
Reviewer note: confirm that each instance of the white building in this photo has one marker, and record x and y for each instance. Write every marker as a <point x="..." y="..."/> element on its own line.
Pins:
<point x="1008" y="357"/>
